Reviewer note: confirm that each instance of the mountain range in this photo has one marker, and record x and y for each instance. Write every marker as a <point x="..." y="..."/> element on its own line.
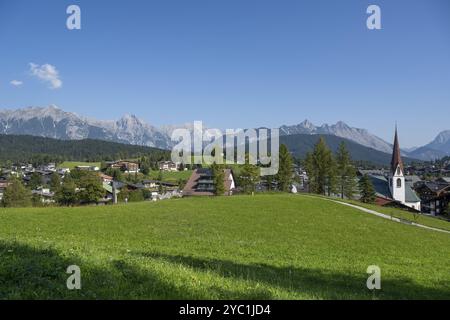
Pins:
<point x="53" y="122"/>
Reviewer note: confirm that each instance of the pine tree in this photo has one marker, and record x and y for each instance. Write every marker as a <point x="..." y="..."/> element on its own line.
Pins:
<point x="219" y="179"/>
<point x="66" y="195"/>
<point x="16" y="195"/>
<point x="346" y="173"/>
<point x="285" y="170"/>
<point x="321" y="168"/>
<point x="249" y="176"/>
<point x="367" y="190"/>
<point x="55" y="182"/>
<point x="35" y="181"/>
<point x="91" y="188"/>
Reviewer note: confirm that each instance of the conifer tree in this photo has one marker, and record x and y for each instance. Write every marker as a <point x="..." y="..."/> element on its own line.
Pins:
<point x="367" y="190"/>
<point x="285" y="170"/>
<point x="219" y="179"/>
<point x="345" y="172"/>
<point x="249" y="176"/>
<point x="16" y="195"/>
<point x="321" y="168"/>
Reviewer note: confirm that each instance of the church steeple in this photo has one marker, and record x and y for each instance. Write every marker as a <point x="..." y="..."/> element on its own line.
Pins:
<point x="396" y="155"/>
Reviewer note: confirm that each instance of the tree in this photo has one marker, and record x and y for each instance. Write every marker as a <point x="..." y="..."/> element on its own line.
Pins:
<point x="91" y="188"/>
<point x="285" y="170"/>
<point x="115" y="173"/>
<point x="218" y="179"/>
<point x="16" y="195"/>
<point x="249" y="176"/>
<point x="35" y="181"/>
<point x="66" y="195"/>
<point x="55" y="182"/>
<point x="367" y="190"/>
<point x="321" y="169"/>
<point x="346" y="172"/>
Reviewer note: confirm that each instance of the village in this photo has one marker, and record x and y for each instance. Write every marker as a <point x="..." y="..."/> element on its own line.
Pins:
<point x="416" y="187"/>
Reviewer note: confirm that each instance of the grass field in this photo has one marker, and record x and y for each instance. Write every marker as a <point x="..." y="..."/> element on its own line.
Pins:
<point x="434" y="222"/>
<point x="72" y="164"/>
<point x="242" y="247"/>
<point x="171" y="176"/>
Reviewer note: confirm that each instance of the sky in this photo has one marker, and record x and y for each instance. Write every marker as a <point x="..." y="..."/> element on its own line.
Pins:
<point x="234" y="63"/>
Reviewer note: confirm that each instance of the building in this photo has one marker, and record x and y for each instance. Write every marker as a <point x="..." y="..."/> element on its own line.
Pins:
<point x="3" y="185"/>
<point x="435" y="197"/>
<point x="201" y="183"/>
<point x="126" y="166"/>
<point x="393" y="187"/>
<point x="168" y="166"/>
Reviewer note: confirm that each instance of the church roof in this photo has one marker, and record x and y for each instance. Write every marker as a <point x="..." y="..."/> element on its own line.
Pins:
<point x="396" y="155"/>
<point x="381" y="186"/>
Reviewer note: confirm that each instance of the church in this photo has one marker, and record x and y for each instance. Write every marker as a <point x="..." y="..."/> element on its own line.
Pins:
<point x="400" y="191"/>
<point x="392" y="188"/>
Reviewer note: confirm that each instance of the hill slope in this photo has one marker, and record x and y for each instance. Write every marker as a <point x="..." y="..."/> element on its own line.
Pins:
<point x="261" y="247"/>
<point x="300" y="144"/>
<point x="26" y="148"/>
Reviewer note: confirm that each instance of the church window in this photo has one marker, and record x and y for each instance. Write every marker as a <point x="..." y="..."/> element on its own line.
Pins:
<point x="399" y="183"/>
<point x="398" y="171"/>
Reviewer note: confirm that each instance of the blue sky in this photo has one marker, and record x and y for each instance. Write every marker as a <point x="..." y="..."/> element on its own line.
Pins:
<point x="235" y="63"/>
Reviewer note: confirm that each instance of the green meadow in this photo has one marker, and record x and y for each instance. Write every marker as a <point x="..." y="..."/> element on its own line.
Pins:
<point x="73" y="164"/>
<point x="275" y="246"/>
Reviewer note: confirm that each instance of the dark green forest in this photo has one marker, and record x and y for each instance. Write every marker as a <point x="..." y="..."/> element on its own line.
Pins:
<point x="38" y="150"/>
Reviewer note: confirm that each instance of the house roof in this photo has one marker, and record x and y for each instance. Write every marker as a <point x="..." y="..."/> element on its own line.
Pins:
<point x="200" y="184"/>
<point x="413" y="179"/>
<point x="436" y="187"/>
<point x="381" y="186"/>
<point x="445" y="179"/>
<point x="410" y="194"/>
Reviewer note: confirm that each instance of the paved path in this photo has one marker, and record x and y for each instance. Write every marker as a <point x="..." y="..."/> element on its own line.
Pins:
<point x="385" y="216"/>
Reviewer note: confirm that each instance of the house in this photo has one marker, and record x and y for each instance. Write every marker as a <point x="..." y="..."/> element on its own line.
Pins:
<point x="45" y="195"/>
<point x="63" y="171"/>
<point x="435" y="197"/>
<point x="105" y="178"/>
<point x="126" y="166"/>
<point x="168" y="166"/>
<point x="3" y="185"/>
<point x="48" y="167"/>
<point x="111" y="192"/>
<point x="201" y="183"/>
<point x="444" y="180"/>
<point x="394" y="188"/>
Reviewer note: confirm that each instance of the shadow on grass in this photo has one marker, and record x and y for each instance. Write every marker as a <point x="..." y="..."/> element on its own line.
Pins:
<point x="313" y="282"/>
<point x="35" y="273"/>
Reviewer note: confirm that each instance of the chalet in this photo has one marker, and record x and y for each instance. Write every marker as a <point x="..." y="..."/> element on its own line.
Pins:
<point x="168" y="166"/>
<point x="435" y="197"/>
<point x="105" y="178"/>
<point x="126" y="166"/>
<point x="201" y="183"/>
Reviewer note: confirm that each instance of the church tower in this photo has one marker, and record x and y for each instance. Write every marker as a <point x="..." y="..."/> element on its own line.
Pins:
<point x="397" y="177"/>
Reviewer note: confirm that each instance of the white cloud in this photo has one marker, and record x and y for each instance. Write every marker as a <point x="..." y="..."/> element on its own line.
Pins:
<point x="16" y="83"/>
<point x="47" y="73"/>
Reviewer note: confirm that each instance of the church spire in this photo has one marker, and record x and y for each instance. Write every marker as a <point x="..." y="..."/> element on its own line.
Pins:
<point x="396" y="155"/>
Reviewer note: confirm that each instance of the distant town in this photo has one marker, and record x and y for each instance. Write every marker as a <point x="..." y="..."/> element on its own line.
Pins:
<point x="422" y="187"/>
